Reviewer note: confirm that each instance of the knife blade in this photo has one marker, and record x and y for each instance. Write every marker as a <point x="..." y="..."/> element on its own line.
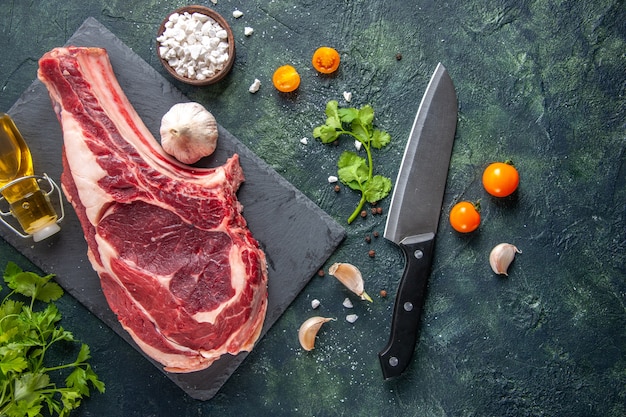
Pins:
<point x="414" y="213"/>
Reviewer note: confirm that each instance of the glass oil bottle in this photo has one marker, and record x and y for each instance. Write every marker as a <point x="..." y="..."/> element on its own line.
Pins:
<point x="20" y="187"/>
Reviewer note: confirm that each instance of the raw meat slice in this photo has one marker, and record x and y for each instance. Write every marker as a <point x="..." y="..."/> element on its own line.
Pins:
<point x="176" y="261"/>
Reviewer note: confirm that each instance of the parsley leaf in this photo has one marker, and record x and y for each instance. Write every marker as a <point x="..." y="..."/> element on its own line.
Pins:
<point x="377" y="188"/>
<point x="326" y="133"/>
<point x="380" y="139"/>
<point x="32" y="285"/>
<point x="27" y="382"/>
<point x="353" y="170"/>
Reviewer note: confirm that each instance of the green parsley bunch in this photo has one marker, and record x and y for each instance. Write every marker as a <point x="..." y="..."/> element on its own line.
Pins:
<point x="353" y="170"/>
<point x="27" y="335"/>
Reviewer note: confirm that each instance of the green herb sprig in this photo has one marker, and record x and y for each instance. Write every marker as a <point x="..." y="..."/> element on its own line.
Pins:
<point x="353" y="170"/>
<point x="27" y="335"/>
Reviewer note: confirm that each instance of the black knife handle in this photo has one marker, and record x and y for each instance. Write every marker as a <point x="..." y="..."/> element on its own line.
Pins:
<point x="418" y="253"/>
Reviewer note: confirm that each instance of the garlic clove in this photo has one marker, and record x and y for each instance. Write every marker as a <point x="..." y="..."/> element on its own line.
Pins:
<point x="501" y="257"/>
<point x="308" y="331"/>
<point x="350" y="276"/>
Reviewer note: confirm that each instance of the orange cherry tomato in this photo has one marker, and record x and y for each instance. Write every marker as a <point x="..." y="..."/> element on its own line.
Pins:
<point x="326" y="60"/>
<point x="286" y="79"/>
<point x="465" y="217"/>
<point x="500" y="179"/>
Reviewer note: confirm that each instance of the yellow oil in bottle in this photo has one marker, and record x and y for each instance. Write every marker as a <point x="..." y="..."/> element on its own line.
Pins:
<point x="29" y="204"/>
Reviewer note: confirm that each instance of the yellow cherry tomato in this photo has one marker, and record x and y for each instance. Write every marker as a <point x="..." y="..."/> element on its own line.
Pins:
<point x="500" y="179"/>
<point x="286" y="79"/>
<point x="326" y="60"/>
<point x="465" y="217"/>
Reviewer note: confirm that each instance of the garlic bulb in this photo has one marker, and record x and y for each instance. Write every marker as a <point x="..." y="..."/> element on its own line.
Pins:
<point x="308" y="331"/>
<point x="188" y="132"/>
<point x="350" y="276"/>
<point x="501" y="257"/>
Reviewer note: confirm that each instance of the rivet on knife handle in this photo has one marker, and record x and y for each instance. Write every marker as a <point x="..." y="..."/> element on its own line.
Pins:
<point x="395" y="357"/>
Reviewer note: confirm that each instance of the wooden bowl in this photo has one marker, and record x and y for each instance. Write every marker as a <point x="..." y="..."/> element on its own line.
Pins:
<point x="231" y="46"/>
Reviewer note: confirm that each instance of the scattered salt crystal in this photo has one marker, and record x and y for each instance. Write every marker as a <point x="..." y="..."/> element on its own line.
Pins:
<point x="315" y="303"/>
<point x="332" y="179"/>
<point x="347" y="96"/>
<point x="237" y="14"/>
<point x="351" y="318"/>
<point x="357" y="145"/>
<point x="214" y="1"/>
<point x="248" y="31"/>
<point x="255" y="86"/>
<point x="347" y="303"/>
<point x="304" y="141"/>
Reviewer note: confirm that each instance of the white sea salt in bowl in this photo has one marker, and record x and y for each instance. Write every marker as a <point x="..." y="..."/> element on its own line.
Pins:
<point x="196" y="46"/>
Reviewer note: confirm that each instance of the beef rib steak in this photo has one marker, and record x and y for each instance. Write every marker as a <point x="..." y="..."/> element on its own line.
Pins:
<point x="176" y="261"/>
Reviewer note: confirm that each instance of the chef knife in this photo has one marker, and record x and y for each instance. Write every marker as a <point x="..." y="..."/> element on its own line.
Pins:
<point x="414" y="213"/>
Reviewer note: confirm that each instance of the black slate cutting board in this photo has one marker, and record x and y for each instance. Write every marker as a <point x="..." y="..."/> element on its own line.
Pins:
<point x="277" y="213"/>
